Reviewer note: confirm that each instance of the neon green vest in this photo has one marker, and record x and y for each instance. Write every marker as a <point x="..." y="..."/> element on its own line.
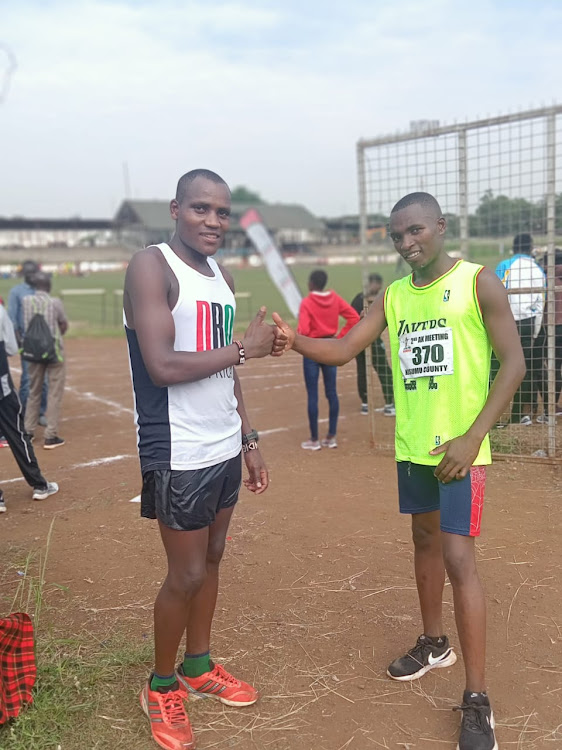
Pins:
<point x="440" y="361"/>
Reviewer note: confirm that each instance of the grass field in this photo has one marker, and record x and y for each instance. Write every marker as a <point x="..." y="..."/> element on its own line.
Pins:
<point x="100" y="315"/>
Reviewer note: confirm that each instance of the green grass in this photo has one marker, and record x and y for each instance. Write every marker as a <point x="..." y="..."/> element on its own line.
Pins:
<point x="74" y="706"/>
<point x="89" y="317"/>
<point x="78" y="678"/>
<point x="31" y="589"/>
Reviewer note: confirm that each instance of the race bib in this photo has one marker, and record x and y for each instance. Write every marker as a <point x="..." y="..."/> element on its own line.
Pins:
<point x="426" y="353"/>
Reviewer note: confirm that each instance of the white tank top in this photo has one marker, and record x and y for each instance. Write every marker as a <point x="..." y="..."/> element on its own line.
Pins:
<point x="190" y="425"/>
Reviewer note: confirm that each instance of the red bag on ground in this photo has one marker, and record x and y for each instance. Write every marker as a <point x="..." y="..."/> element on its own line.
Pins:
<point x="17" y="664"/>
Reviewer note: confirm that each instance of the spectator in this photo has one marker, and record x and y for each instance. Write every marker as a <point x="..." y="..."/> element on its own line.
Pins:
<point x="519" y="272"/>
<point x="3" y="442"/>
<point x="15" y="311"/>
<point x="378" y="354"/>
<point x="53" y="312"/>
<point x="11" y="419"/>
<point x="319" y="319"/>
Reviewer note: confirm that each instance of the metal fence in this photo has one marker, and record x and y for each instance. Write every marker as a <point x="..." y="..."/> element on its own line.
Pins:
<point x="494" y="178"/>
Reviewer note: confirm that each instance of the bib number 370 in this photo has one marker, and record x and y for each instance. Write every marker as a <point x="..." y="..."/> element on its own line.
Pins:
<point x="426" y="354"/>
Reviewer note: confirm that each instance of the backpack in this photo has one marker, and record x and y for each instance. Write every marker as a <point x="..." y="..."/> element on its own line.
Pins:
<point x="38" y="342"/>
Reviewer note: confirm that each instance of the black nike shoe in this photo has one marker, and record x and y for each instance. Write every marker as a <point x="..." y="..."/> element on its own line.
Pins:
<point x="477" y="726"/>
<point x="428" y="653"/>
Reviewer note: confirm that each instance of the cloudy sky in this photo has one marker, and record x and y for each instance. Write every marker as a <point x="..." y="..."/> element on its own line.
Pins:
<point x="272" y="95"/>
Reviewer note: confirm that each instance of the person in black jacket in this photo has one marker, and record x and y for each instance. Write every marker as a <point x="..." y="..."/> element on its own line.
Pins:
<point x="11" y="419"/>
<point x="378" y="355"/>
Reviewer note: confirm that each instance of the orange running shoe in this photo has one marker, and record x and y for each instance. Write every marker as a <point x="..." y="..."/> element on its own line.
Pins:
<point x="219" y="684"/>
<point x="169" y="721"/>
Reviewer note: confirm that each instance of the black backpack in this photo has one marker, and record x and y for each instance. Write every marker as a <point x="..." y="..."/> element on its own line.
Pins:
<point x="38" y="342"/>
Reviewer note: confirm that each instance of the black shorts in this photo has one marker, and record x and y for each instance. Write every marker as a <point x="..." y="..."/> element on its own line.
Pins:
<point x="190" y="500"/>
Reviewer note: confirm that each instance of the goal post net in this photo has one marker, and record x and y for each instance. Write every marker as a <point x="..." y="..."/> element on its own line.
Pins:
<point x="494" y="178"/>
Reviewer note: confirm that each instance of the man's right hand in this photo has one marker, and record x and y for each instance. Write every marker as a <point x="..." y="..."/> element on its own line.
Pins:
<point x="259" y="337"/>
<point x="284" y="335"/>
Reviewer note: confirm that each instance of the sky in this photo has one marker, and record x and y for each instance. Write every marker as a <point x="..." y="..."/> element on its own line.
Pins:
<point x="271" y="95"/>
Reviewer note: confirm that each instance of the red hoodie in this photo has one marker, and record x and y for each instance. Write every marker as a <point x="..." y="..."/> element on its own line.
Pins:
<point x="320" y="312"/>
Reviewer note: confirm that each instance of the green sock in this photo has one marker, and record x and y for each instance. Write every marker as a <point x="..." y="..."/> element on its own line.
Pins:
<point x="194" y="665"/>
<point x="157" y="681"/>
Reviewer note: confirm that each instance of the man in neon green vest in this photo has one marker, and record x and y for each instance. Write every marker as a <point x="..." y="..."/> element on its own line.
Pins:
<point x="443" y="321"/>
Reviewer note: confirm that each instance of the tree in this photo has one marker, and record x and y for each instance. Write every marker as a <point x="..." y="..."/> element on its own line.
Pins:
<point x="540" y="211"/>
<point x="453" y="225"/>
<point x="497" y="216"/>
<point x="242" y="194"/>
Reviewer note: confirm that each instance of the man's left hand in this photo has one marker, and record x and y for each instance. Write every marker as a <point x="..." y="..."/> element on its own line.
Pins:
<point x="460" y="454"/>
<point x="258" y="481"/>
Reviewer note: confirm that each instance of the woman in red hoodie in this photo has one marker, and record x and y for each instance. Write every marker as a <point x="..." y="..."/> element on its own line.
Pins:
<point x="319" y="316"/>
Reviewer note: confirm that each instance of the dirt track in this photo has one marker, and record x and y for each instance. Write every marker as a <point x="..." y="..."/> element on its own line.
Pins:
<point x="317" y="592"/>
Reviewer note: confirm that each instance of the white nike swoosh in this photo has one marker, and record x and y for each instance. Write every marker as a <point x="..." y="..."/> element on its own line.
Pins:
<point x="436" y="660"/>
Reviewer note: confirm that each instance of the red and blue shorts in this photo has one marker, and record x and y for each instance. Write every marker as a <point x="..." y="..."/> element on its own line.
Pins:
<point x="460" y="501"/>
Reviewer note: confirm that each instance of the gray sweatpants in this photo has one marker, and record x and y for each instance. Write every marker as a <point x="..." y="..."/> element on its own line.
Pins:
<point x="56" y="374"/>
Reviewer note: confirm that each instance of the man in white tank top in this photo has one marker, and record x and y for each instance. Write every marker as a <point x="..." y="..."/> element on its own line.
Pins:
<point x="192" y="431"/>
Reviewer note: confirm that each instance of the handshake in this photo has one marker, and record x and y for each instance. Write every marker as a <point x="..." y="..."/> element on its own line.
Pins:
<point x="262" y="338"/>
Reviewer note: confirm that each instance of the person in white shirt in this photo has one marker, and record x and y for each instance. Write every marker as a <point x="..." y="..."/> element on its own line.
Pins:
<point x="193" y="431"/>
<point x="521" y="271"/>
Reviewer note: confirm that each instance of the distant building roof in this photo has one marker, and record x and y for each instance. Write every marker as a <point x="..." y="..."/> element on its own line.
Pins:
<point x="281" y="216"/>
<point x="149" y="214"/>
<point x="155" y="215"/>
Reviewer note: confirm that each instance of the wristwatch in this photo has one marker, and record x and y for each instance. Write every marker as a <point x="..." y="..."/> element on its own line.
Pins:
<point x="250" y="441"/>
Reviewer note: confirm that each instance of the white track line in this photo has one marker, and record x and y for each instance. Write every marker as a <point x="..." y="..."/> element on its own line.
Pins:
<point x="87" y="464"/>
<point x="294" y="427"/>
<point x="101" y="461"/>
<point x="89" y="396"/>
<point x="275" y="429"/>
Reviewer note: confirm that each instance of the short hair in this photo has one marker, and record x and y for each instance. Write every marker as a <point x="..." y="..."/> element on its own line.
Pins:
<point x="41" y="280"/>
<point x="523" y="243"/>
<point x="185" y="181"/>
<point x="425" y="200"/>
<point x="29" y="267"/>
<point x="318" y="279"/>
<point x="375" y="277"/>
